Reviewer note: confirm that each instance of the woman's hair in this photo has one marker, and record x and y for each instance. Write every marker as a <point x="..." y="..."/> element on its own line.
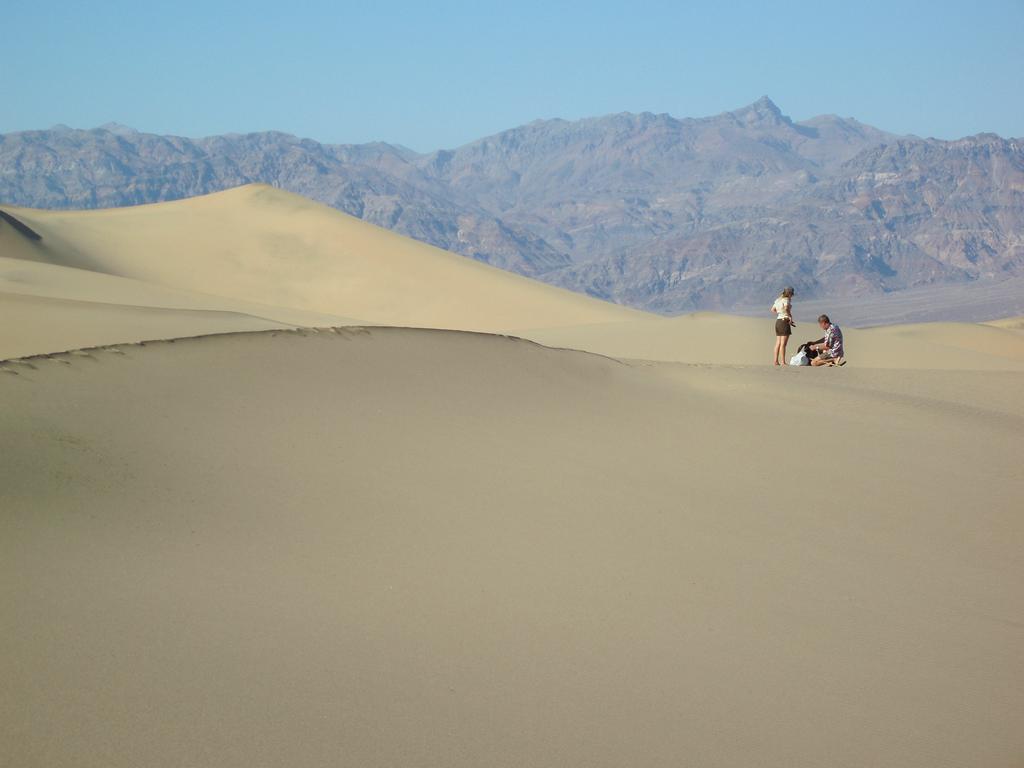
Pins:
<point x="787" y="292"/>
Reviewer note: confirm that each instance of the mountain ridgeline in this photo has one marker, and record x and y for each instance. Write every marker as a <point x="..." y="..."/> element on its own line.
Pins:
<point x="660" y="213"/>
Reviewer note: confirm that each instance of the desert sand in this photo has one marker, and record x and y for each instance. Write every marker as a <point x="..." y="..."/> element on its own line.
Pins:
<point x="273" y="544"/>
<point x="260" y="244"/>
<point x="707" y="337"/>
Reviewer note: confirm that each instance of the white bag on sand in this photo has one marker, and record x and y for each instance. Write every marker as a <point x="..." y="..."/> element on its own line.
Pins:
<point x="800" y="358"/>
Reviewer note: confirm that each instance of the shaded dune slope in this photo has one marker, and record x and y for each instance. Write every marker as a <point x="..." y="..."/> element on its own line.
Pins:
<point x="20" y="227"/>
<point x="391" y="546"/>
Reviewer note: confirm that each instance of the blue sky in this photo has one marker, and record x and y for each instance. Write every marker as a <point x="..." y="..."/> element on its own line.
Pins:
<point x="433" y="75"/>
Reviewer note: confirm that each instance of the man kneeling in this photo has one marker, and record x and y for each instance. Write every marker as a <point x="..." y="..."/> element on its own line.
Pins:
<point x="830" y="348"/>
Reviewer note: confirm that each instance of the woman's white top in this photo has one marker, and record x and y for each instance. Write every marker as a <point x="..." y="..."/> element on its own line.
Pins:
<point x="781" y="308"/>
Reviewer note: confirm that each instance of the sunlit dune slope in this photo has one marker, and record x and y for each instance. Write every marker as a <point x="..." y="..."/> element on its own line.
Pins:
<point x="260" y="244"/>
<point x="409" y="547"/>
<point x="49" y="308"/>
<point x="44" y="280"/>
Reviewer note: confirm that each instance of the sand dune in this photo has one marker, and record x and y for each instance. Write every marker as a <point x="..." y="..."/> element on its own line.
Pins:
<point x="402" y="547"/>
<point x="30" y="278"/>
<point x="397" y="546"/>
<point x="260" y="244"/>
<point x="48" y="308"/>
<point x="707" y="337"/>
<point x="256" y="257"/>
<point x="30" y="325"/>
<point x="955" y="345"/>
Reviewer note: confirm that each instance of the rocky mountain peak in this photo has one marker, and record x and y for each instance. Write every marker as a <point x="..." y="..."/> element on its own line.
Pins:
<point x="764" y="111"/>
<point x="118" y="129"/>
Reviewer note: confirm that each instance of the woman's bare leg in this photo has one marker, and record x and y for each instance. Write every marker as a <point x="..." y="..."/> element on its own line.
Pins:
<point x="785" y="341"/>
<point x="778" y="346"/>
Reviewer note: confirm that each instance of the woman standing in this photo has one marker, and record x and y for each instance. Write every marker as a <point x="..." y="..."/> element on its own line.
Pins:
<point x="783" y="309"/>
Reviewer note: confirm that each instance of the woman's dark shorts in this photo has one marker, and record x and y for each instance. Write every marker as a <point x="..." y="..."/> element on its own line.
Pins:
<point x="782" y="328"/>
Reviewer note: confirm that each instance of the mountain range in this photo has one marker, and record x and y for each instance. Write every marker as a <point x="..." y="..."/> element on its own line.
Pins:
<point x="649" y="210"/>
